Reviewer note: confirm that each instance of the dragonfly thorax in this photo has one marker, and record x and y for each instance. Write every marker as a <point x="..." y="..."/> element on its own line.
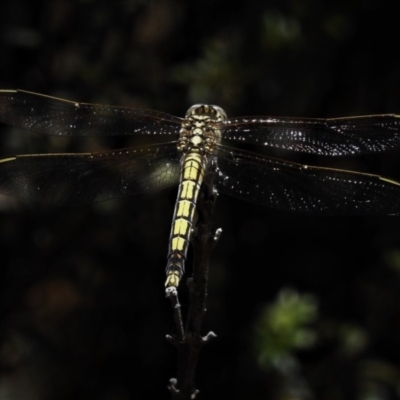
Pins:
<point x="199" y="132"/>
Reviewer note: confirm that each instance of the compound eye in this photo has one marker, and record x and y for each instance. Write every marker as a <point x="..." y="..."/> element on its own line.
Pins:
<point x="193" y="110"/>
<point x="205" y="110"/>
<point x="221" y="114"/>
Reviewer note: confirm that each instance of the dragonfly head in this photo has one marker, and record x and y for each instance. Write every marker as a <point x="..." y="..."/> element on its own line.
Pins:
<point x="205" y="111"/>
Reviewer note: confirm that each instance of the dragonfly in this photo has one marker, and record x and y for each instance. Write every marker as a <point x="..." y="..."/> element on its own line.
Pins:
<point x="183" y="150"/>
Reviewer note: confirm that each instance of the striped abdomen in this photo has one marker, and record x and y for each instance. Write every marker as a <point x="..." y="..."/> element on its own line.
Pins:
<point x="192" y="174"/>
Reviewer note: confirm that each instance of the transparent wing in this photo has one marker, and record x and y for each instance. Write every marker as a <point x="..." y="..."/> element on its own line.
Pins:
<point x="329" y="137"/>
<point x="306" y="189"/>
<point x="68" y="179"/>
<point x="53" y="116"/>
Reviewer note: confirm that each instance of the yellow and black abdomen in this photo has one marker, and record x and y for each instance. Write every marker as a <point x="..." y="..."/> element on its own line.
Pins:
<point x="192" y="174"/>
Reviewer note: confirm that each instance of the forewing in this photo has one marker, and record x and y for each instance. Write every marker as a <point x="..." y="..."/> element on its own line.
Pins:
<point x="328" y="137"/>
<point x="53" y="116"/>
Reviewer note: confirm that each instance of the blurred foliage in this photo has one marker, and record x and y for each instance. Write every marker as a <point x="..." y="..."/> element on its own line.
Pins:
<point x="284" y="327"/>
<point x="392" y="258"/>
<point x="215" y="75"/>
<point x="279" y="32"/>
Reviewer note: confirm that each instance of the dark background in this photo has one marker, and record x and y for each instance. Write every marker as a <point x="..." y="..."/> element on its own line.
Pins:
<point x="83" y="314"/>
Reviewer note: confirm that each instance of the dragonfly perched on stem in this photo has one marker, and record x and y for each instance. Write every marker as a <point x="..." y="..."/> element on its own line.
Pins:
<point x="205" y="139"/>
